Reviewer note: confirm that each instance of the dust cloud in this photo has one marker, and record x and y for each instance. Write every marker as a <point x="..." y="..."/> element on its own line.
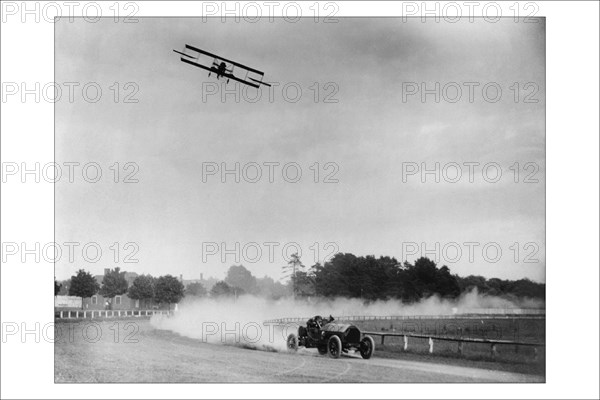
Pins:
<point x="241" y="321"/>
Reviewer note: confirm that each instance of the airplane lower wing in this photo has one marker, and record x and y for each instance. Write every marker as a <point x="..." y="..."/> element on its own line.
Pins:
<point x="235" y="78"/>
<point x="185" y="60"/>
<point x="259" y="82"/>
<point x="183" y="54"/>
<point x="230" y="76"/>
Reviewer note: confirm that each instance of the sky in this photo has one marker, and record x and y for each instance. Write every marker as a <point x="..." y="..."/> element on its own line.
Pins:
<point x="181" y="222"/>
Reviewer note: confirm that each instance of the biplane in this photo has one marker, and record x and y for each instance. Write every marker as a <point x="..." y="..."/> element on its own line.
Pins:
<point x="222" y="67"/>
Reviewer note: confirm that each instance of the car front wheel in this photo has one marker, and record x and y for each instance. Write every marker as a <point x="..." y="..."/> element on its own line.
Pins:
<point x="367" y="347"/>
<point x="334" y="347"/>
<point x="292" y="342"/>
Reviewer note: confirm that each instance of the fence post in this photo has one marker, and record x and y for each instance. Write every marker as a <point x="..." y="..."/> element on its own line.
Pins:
<point x="430" y="345"/>
<point x="382" y="339"/>
<point x="84" y="314"/>
<point x="494" y="351"/>
<point x="61" y="314"/>
<point x="69" y="313"/>
<point x="460" y="348"/>
<point x="405" y="343"/>
<point x="535" y="354"/>
<point x="119" y="313"/>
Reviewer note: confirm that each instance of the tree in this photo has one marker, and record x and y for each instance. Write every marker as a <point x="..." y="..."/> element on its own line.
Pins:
<point x="114" y="284"/>
<point x="267" y="287"/>
<point x="168" y="290"/>
<point x="303" y="284"/>
<point x="473" y="282"/>
<point x="83" y="285"/>
<point x="57" y="287"/>
<point x="221" y="289"/>
<point x="195" y="289"/>
<point x="293" y="266"/>
<point x="334" y="277"/>
<point x="446" y="283"/>
<point x="239" y="277"/>
<point x="64" y="287"/>
<point x="142" y="289"/>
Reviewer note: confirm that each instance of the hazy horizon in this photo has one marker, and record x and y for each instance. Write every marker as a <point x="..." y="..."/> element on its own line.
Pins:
<point x="369" y="135"/>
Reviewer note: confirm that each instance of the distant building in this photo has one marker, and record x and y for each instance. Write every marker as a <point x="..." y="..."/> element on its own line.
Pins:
<point x="122" y="302"/>
<point x="207" y="283"/>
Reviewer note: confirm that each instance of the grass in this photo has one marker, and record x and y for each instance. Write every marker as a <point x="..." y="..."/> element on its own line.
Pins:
<point x="511" y="358"/>
<point x="136" y="347"/>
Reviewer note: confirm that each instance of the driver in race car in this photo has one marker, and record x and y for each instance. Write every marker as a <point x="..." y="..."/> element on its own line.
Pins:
<point x="317" y="322"/>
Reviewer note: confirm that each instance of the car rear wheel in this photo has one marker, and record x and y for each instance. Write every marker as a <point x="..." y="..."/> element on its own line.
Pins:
<point x="292" y="342"/>
<point x="367" y="347"/>
<point x="334" y="347"/>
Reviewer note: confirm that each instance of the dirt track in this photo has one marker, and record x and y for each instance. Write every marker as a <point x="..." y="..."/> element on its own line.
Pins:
<point x="161" y="356"/>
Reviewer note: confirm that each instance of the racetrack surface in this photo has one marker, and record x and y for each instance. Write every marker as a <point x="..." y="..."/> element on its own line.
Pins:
<point x="162" y="356"/>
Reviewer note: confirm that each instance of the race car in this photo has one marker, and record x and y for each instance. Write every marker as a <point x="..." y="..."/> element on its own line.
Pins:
<point x="331" y="338"/>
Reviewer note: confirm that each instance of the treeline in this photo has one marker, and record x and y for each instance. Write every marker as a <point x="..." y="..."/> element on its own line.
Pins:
<point x="370" y="278"/>
<point x="345" y="275"/>
<point x="162" y="290"/>
<point x="384" y="278"/>
<point x="167" y="290"/>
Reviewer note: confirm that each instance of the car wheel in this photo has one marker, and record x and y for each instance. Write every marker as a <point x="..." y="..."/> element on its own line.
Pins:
<point x="292" y="342"/>
<point x="367" y="347"/>
<point x="322" y="350"/>
<point x="334" y="347"/>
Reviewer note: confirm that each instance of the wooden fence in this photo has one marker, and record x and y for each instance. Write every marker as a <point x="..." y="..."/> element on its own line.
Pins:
<point x="413" y="317"/>
<point x="90" y="314"/>
<point x="460" y="340"/>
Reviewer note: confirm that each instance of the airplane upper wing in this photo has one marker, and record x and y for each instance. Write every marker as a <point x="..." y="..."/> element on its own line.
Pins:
<point x="187" y="46"/>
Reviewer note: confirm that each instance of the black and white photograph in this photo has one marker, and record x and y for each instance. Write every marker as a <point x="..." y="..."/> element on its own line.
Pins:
<point x="239" y="195"/>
